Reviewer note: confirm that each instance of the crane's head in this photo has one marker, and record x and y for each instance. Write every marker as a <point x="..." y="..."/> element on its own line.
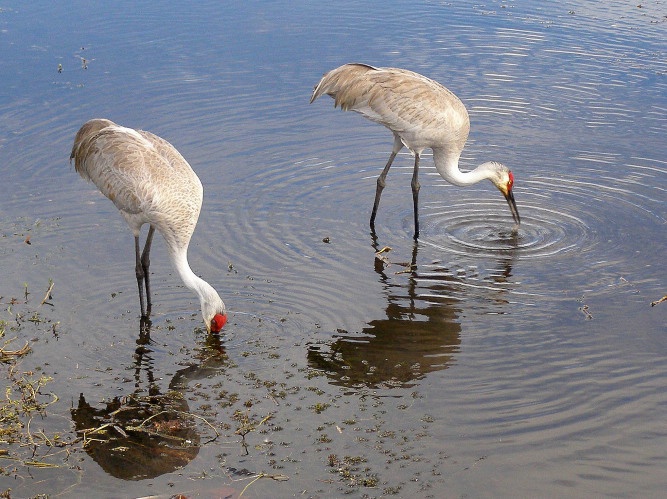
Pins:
<point x="504" y="181"/>
<point x="214" y="313"/>
<point x="217" y="323"/>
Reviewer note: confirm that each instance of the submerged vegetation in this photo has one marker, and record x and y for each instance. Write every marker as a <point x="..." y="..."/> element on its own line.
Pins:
<point x="263" y="429"/>
<point x="208" y="403"/>
<point x="26" y="397"/>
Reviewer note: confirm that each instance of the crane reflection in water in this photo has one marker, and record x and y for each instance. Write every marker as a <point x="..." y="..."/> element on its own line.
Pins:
<point x="421" y="330"/>
<point x="149" y="432"/>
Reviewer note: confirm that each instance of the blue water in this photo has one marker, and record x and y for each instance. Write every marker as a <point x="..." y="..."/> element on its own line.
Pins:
<point x="497" y="366"/>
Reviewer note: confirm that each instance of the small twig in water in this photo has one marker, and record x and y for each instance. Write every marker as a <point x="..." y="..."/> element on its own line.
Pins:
<point x="143" y="423"/>
<point x="585" y="311"/>
<point x="409" y="268"/>
<point x="279" y="478"/>
<point x="654" y="303"/>
<point x="246" y="487"/>
<point x="48" y="293"/>
<point x="381" y="257"/>
<point x="8" y="354"/>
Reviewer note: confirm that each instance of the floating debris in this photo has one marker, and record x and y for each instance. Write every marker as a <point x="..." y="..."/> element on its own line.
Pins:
<point x="654" y="303"/>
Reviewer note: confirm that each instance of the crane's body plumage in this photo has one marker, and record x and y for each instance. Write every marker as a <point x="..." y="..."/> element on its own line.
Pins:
<point x="149" y="182"/>
<point x="145" y="177"/>
<point x="421" y="113"/>
<point x="419" y="110"/>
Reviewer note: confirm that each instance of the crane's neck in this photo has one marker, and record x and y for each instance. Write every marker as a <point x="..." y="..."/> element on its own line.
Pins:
<point x="447" y="165"/>
<point x="208" y="296"/>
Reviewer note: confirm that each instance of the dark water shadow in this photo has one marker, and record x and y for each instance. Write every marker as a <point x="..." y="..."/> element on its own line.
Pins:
<point x="420" y="333"/>
<point x="148" y="433"/>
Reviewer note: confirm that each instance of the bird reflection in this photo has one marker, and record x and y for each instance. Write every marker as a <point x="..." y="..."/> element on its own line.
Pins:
<point x="421" y="330"/>
<point x="147" y="433"/>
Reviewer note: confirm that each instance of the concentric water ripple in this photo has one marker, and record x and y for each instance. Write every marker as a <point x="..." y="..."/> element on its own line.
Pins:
<point x="477" y="333"/>
<point x="482" y="231"/>
<point x="559" y="214"/>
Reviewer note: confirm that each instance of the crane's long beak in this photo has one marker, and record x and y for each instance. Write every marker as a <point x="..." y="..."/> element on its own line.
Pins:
<point x="510" y="201"/>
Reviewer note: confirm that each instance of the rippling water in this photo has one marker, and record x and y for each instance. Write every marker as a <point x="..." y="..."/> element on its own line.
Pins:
<point x="479" y="361"/>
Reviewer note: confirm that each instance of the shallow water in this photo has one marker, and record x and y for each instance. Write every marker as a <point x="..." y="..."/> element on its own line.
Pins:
<point x="501" y="364"/>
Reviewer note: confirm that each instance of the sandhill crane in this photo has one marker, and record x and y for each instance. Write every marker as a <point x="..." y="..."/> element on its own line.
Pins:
<point x="421" y="113"/>
<point x="150" y="183"/>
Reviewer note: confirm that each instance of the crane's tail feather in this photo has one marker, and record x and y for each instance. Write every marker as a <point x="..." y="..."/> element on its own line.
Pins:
<point x="346" y="84"/>
<point x="87" y="131"/>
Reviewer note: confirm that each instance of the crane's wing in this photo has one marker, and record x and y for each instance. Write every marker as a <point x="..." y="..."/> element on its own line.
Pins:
<point x="134" y="169"/>
<point x="420" y="110"/>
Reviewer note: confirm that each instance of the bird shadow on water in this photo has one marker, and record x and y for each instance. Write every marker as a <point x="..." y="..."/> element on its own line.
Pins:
<point x="421" y="329"/>
<point x="149" y="432"/>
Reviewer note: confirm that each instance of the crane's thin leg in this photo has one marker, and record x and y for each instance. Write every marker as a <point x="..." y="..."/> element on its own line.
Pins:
<point x="139" y="271"/>
<point x="415" y="194"/>
<point x="145" y="264"/>
<point x="381" y="182"/>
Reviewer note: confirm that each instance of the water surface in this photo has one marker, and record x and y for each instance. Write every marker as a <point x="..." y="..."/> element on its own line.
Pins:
<point x="496" y="365"/>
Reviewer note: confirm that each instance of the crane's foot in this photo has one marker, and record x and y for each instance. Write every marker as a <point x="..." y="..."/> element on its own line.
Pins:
<point x="144" y="331"/>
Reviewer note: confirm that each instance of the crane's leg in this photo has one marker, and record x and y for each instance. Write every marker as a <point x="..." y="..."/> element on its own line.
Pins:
<point x="145" y="264"/>
<point x="415" y="194"/>
<point x="139" y="271"/>
<point x="381" y="182"/>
